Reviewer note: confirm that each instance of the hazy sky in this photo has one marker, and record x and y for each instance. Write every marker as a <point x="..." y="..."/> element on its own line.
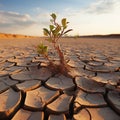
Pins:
<point x="85" y="16"/>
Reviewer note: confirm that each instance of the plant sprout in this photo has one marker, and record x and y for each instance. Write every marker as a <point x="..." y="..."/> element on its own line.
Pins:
<point x="53" y="34"/>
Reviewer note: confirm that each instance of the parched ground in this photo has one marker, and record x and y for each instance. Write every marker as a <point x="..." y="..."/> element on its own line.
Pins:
<point x="30" y="91"/>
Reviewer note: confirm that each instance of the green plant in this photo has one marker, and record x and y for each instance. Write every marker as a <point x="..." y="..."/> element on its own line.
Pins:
<point x="53" y="34"/>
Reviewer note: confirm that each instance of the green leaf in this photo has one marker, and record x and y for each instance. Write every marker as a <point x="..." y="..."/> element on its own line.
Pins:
<point x="53" y="15"/>
<point x="46" y="32"/>
<point x="67" y="31"/>
<point x="42" y="49"/>
<point x="51" y="27"/>
<point x="64" y="22"/>
<point x="58" y="29"/>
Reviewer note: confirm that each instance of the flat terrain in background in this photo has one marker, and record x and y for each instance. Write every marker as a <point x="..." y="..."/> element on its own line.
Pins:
<point x="74" y="42"/>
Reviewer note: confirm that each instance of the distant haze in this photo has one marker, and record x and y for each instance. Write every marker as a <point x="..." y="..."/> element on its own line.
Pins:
<point x="86" y="17"/>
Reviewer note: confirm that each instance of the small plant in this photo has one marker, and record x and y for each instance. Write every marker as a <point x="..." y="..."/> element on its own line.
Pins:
<point x="53" y="34"/>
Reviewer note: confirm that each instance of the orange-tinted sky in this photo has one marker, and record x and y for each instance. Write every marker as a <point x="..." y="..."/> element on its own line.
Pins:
<point x="86" y="17"/>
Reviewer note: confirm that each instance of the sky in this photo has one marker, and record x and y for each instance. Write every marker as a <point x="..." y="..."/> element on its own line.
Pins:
<point x="86" y="17"/>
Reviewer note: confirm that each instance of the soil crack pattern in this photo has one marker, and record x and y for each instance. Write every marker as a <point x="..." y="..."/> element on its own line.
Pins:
<point x="30" y="91"/>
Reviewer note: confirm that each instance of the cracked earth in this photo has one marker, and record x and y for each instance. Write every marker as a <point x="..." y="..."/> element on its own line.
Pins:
<point x="30" y="91"/>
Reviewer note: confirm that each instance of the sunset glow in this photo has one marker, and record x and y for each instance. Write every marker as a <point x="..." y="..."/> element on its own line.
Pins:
<point x="86" y="17"/>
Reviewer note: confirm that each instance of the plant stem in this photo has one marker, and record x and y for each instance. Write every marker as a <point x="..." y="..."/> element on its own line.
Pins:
<point x="60" y="53"/>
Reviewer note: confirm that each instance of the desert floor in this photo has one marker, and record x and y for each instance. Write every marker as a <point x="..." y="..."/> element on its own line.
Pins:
<point x="30" y="91"/>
